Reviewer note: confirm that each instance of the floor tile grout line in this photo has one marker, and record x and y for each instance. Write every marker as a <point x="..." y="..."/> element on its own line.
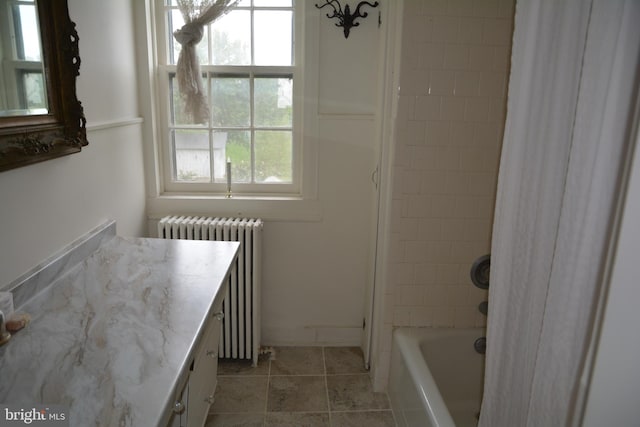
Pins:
<point x="351" y="411"/>
<point x="266" y="398"/>
<point x="241" y="376"/>
<point x="326" y="385"/>
<point x="294" y="375"/>
<point x="346" y="374"/>
<point x="298" y="375"/>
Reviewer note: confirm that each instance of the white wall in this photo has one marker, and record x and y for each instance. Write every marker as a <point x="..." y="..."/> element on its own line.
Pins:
<point x="615" y="381"/>
<point x="316" y="273"/>
<point x="48" y="205"/>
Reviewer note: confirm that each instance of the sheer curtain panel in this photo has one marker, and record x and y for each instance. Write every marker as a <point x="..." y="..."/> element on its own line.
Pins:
<point x="571" y="92"/>
<point x="197" y="15"/>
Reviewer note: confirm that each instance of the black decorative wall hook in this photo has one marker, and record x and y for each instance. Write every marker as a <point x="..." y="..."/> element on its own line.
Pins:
<point x="346" y="19"/>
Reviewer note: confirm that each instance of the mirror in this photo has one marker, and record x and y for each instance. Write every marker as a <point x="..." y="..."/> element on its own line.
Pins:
<point x="40" y="115"/>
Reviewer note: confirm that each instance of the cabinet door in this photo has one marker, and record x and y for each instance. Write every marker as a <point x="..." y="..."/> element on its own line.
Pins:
<point x="203" y="379"/>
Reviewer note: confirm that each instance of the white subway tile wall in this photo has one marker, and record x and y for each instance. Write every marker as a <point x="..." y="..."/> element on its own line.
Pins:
<point x="452" y="107"/>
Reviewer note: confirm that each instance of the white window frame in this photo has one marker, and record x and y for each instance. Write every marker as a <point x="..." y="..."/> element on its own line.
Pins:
<point x="12" y="90"/>
<point x="164" y="70"/>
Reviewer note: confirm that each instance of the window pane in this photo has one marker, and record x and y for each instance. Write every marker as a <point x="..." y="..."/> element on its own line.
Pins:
<point x="273" y="101"/>
<point x="273" y="157"/>
<point x="27" y="33"/>
<point x="232" y="39"/>
<point x="238" y="150"/>
<point x="230" y="101"/>
<point x="220" y="156"/>
<point x="174" y="22"/>
<point x="272" y="3"/>
<point x="177" y="105"/>
<point x="273" y="37"/>
<point x="192" y="155"/>
<point x="176" y="108"/>
<point x="34" y="90"/>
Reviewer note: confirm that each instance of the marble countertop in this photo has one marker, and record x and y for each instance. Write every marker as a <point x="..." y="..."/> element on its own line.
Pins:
<point x="112" y="338"/>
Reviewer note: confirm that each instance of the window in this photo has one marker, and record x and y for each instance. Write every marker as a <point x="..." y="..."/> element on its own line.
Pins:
<point x="23" y="84"/>
<point x="248" y="65"/>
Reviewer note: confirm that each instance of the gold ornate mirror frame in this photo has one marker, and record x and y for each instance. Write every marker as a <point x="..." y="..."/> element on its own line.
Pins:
<point x="30" y="139"/>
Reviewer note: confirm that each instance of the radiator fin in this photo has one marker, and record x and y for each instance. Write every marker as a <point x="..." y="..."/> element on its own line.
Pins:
<point x="240" y="337"/>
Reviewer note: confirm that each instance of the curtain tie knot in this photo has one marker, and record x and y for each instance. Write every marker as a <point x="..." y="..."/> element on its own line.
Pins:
<point x="189" y="34"/>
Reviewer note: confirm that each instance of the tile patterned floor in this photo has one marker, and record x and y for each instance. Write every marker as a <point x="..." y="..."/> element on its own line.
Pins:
<point x="300" y="387"/>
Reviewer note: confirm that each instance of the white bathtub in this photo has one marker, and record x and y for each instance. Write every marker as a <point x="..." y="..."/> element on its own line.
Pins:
<point x="436" y="377"/>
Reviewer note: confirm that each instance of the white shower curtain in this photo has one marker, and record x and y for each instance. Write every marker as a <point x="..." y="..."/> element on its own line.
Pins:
<point x="574" y="63"/>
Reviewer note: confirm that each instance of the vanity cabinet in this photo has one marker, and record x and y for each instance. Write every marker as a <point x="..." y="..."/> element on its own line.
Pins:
<point x="111" y="299"/>
<point x="192" y="405"/>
